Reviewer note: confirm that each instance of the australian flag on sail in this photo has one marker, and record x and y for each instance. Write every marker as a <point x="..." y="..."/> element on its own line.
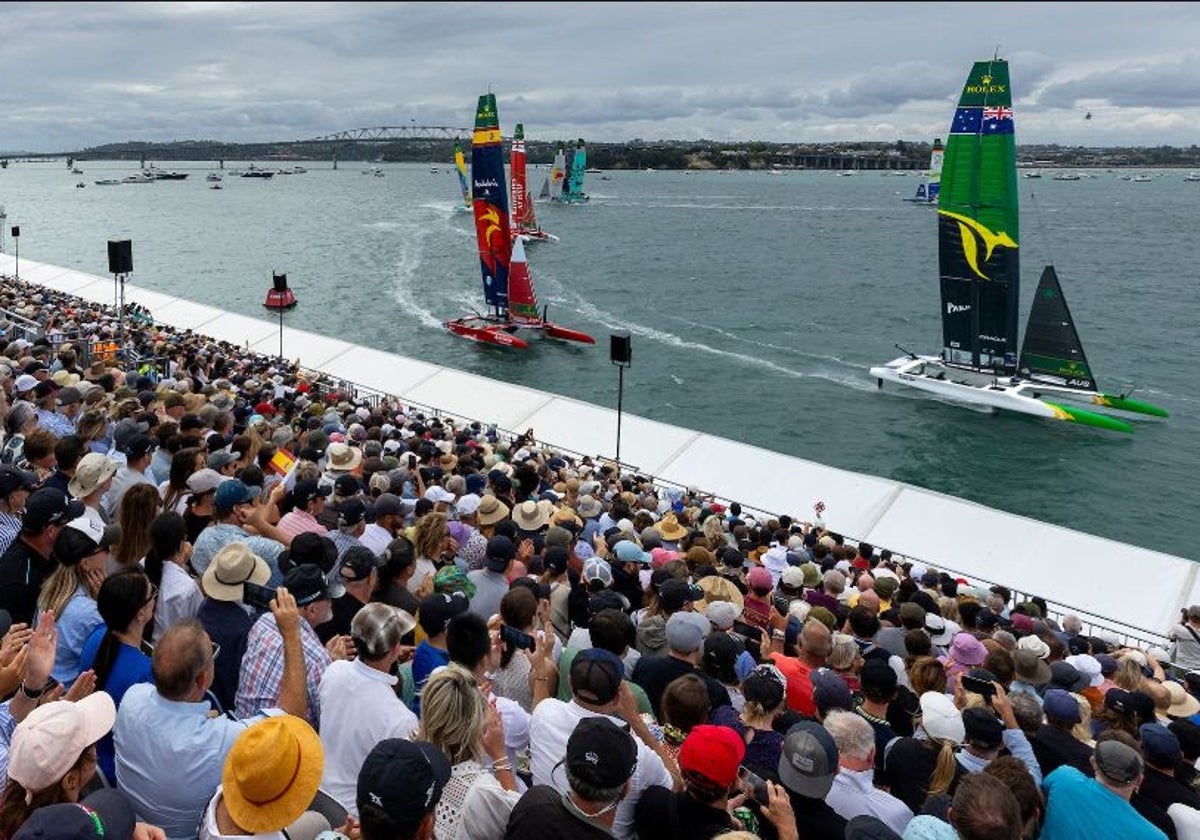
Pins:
<point x="977" y="120"/>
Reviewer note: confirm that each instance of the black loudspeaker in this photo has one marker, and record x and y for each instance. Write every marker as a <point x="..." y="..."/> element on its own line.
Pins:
<point x="16" y="232"/>
<point x="279" y="281"/>
<point x="619" y="350"/>
<point x="120" y="256"/>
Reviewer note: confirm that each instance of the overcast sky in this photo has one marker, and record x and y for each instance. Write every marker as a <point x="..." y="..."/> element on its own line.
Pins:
<point x="74" y="75"/>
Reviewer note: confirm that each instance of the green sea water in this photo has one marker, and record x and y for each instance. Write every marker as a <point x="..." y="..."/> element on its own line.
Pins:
<point x="756" y="304"/>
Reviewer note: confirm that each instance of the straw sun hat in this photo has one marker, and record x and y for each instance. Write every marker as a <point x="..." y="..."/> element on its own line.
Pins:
<point x="272" y="774"/>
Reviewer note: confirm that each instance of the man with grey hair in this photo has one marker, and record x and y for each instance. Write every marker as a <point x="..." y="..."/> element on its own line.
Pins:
<point x="854" y="793"/>
<point x="359" y="706"/>
<point x="1072" y="625"/>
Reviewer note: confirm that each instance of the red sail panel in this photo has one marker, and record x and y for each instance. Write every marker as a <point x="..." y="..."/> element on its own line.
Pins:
<point x="522" y="299"/>
<point x="522" y="206"/>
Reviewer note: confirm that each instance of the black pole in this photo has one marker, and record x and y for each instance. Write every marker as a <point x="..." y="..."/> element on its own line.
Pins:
<point x="16" y="235"/>
<point x="620" y="395"/>
<point x="281" y="334"/>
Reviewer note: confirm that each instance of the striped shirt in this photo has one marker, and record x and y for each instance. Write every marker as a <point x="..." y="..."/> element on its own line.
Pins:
<point x="10" y="528"/>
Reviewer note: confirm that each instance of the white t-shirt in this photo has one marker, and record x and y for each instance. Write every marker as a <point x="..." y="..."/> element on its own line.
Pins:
<point x="359" y="708"/>
<point x="552" y="724"/>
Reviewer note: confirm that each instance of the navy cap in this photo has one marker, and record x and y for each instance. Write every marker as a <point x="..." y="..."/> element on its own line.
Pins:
<point x="402" y="779"/>
<point x="106" y="814"/>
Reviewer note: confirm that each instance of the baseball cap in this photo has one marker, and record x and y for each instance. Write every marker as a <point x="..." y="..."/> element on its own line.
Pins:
<point x="686" y="631"/>
<point x="1064" y="675"/>
<point x="596" y="568"/>
<point x="190" y="422"/>
<point x="1118" y="762"/>
<point x="306" y="491"/>
<point x="1061" y="704"/>
<point x="809" y="760"/>
<point x="307" y="583"/>
<point x="139" y="445"/>
<point x="831" y="692"/>
<point x="711" y="755"/>
<point x="201" y="481"/>
<point x="596" y="676"/>
<point x="308" y="547"/>
<point x="402" y="779"/>
<point x="345" y="485"/>
<point x="1160" y="745"/>
<point x="759" y="578"/>
<point x="232" y="493"/>
<point x="627" y="551"/>
<point x="50" y="506"/>
<point x="982" y="728"/>
<point x="52" y="737"/>
<point x="106" y="814"/>
<point x="352" y="511"/>
<point x="380" y="626"/>
<point x="436" y="611"/>
<point x="221" y="459"/>
<point x="722" y="614"/>
<point x="500" y="550"/>
<point x="12" y="478"/>
<point x="601" y="753"/>
<point x="358" y="562"/>
<point x="25" y="382"/>
<point x="389" y="504"/>
<point x="468" y="504"/>
<point x="673" y="593"/>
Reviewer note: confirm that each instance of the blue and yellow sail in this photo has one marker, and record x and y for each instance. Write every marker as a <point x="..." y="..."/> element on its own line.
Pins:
<point x="489" y="199"/>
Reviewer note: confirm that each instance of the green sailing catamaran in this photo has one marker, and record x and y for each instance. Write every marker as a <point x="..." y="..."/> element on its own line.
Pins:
<point x="979" y="265"/>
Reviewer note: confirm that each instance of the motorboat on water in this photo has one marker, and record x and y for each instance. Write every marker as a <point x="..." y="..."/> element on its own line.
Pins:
<point x="139" y="178"/>
<point x="212" y="176"/>
<point x="107" y="182"/>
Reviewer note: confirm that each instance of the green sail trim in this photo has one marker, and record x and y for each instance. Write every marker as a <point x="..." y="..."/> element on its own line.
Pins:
<point x="1091" y="418"/>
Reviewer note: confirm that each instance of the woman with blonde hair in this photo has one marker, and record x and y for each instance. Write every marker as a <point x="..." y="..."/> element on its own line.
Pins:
<point x="138" y="508"/>
<point x="714" y="529"/>
<point x="457" y="719"/>
<point x="919" y="768"/>
<point x="69" y="593"/>
<point x="432" y="542"/>
<point x="926" y="673"/>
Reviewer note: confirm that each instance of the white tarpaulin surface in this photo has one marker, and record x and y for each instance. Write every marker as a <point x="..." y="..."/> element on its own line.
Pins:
<point x="1134" y="586"/>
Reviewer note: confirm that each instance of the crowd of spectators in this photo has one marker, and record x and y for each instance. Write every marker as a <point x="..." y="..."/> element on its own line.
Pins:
<point x="239" y="600"/>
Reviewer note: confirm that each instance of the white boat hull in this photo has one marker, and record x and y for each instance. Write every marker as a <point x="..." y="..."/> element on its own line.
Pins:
<point x="922" y="373"/>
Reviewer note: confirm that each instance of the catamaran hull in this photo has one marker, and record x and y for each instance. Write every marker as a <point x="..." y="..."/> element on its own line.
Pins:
<point x="502" y="333"/>
<point x="930" y="374"/>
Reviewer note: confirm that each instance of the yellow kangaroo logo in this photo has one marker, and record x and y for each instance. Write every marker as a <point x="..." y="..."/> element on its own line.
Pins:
<point x="972" y="232"/>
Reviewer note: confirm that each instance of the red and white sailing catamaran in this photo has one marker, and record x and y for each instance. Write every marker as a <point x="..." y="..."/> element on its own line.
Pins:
<point x="513" y="308"/>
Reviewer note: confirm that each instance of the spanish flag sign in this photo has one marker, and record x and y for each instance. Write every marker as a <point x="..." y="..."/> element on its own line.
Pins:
<point x="282" y="462"/>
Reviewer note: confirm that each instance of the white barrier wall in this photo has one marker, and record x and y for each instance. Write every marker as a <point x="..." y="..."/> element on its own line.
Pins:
<point x="1134" y="586"/>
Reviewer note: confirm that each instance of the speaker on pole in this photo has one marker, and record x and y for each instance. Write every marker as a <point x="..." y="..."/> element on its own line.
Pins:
<point x="120" y="256"/>
<point x="16" y="231"/>
<point x="619" y="350"/>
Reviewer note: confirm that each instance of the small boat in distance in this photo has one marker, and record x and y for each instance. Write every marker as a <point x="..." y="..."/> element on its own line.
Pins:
<point x="1031" y="174"/>
<point x="253" y="171"/>
<point x="507" y="286"/>
<point x="1068" y="176"/>
<point x="1144" y="178"/>
<point x="978" y="260"/>
<point x="139" y="178"/>
<point x="80" y="185"/>
<point x="460" y="169"/>
<point x="212" y="176"/>
<point x="107" y="182"/>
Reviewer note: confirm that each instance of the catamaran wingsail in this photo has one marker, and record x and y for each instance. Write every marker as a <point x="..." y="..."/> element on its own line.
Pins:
<point x="978" y="256"/>
<point x="525" y="224"/>
<point x="460" y="166"/>
<point x="552" y="187"/>
<point x="507" y="287"/>
<point x="572" y="191"/>
<point x="927" y="190"/>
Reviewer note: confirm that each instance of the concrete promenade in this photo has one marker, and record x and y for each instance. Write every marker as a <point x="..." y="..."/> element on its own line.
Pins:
<point x="1123" y="587"/>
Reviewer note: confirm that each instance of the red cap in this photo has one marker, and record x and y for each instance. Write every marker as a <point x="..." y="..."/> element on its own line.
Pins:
<point x="713" y="753"/>
<point x="861" y="563"/>
<point x="265" y="409"/>
<point x="717" y="508"/>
